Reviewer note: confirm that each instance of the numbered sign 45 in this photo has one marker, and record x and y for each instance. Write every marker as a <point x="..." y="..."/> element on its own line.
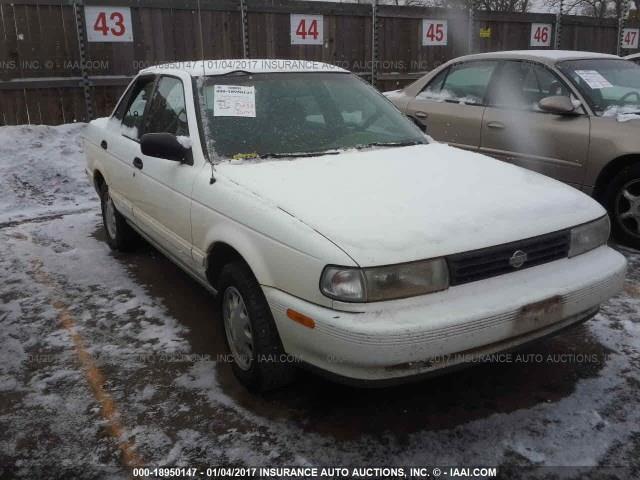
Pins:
<point x="307" y="29"/>
<point x="630" y="38"/>
<point x="434" y="32"/>
<point x="540" y="35"/>
<point x="108" y="24"/>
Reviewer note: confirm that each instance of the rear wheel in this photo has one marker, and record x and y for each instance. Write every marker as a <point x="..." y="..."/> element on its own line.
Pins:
<point x="622" y="200"/>
<point x="120" y="236"/>
<point x="259" y="361"/>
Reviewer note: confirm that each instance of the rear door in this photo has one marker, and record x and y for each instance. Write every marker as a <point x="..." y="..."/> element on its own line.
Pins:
<point x="451" y="105"/>
<point x="514" y="128"/>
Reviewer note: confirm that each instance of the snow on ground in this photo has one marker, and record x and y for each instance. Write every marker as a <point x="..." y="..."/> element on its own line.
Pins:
<point x="152" y="333"/>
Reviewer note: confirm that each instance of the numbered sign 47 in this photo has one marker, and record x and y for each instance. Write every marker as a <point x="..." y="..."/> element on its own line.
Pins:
<point x="108" y="24"/>
<point x="307" y="29"/>
<point x="540" y="35"/>
<point x="434" y="32"/>
<point x="630" y="38"/>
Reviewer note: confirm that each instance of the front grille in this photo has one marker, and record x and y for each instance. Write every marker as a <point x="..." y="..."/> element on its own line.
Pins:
<point x="492" y="261"/>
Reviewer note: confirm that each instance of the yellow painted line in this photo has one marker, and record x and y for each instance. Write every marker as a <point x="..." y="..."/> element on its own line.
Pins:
<point x="94" y="376"/>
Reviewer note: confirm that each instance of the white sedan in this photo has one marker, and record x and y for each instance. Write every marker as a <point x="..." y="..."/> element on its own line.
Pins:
<point x="336" y="235"/>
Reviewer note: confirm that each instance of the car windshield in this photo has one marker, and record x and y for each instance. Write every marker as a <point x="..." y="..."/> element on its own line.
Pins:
<point x="610" y="86"/>
<point x="297" y="114"/>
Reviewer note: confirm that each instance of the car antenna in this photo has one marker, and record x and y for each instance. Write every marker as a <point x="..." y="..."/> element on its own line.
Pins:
<point x="212" y="179"/>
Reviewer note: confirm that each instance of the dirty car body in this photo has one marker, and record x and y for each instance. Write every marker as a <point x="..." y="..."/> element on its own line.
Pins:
<point x="333" y="231"/>
<point x="573" y="116"/>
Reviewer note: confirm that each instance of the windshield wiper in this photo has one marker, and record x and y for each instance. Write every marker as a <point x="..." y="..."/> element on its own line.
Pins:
<point x="390" y="144"/>
<point x="298" y="155"/>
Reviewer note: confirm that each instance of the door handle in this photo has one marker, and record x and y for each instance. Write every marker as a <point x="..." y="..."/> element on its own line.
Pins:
<point x="420" y="114"/>
<point x="497" y="125"/>
<point x="103" y="144"/>
<point x="138" y="163"/>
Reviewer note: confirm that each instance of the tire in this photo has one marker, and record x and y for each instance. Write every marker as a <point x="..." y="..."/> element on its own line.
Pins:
<point x="263" y="366"/>
<point x="120" y="236"/>
<point x="622" y="201"/>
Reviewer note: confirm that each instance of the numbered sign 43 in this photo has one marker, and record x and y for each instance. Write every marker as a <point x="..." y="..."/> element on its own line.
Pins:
<point x="630" y="38"/>
<point x="108" y="24"/>
<point x="434" y="32"/>
<point x="540" y="35"/>
<point x="307" y="29"/>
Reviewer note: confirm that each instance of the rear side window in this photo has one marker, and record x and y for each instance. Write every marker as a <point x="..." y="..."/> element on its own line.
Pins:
<point x="464" y="83"/>
<point x="132" y="120"/>
<point x="167" y="112"/>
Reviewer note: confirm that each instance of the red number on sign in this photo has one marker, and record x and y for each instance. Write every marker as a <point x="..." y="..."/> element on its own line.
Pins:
<point x="630" y="38"/>
<point x="302" y="31"/>
<point x="101" y="24"/>
<point x="541" y="35"/>
<point x="119" y="21"/>
<point x="435" y="32"/>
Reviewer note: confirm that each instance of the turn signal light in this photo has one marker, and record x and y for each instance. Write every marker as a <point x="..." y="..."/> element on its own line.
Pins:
<point x="300" y="318"/>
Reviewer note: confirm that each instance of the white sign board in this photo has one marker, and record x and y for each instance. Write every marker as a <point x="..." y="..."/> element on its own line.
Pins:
<point x="541" y="34"/>
<point x="234" y="101"/>
<point x="434" y="32"/>
<point x="594" y="79"/>
<point x="108" y="24"/>
<point x="630" y="38"/>
<point x="307" y="29"/>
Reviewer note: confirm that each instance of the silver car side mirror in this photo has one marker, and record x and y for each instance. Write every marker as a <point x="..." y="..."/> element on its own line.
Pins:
<point x="557" y="104"/>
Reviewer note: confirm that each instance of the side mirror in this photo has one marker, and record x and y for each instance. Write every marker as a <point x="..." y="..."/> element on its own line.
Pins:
<point x="163" y="145"/>
<point x="558" y="104"/>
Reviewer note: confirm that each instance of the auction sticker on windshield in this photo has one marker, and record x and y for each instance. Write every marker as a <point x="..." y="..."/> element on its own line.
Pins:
<point x="234" y="101"/>
<point x="594" y="79"/>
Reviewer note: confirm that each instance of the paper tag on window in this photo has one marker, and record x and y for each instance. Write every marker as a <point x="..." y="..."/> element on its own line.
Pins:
<point x="594" y="79"/>
<point x="234" y="101"/>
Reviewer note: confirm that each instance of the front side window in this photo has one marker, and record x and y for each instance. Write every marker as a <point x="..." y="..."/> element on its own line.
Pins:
<point x="296" y="114"/>
<point x="462" y="83"/>
<point x="521" y="85"/>
<point x="132" y="120"/>
<point x="167" y="111"/>
<point x="610" y="86"/>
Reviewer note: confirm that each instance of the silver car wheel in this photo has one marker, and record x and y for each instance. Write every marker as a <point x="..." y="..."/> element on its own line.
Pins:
<point x="110" y="217"/>
<point x="237" y="326"/>
<point x="628" y="207"/>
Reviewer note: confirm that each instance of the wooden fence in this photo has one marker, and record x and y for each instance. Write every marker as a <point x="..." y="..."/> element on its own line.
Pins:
<point x="51" y="74"/>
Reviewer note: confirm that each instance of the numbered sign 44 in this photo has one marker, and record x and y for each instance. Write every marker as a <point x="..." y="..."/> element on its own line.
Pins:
<point x="108" y="24"/>
<point x="434" y="32"/>
<point x="630" y="38"/>
<point x="307" y="29"/>
<point x="540" y="35"/>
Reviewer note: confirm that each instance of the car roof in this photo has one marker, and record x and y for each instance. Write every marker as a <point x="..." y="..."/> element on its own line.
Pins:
<point x="632" y="57"/>
<point x="199" y="68"/>
<point x="543" y="56"/>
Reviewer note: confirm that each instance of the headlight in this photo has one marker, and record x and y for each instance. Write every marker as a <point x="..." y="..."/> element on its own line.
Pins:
<point x="385" y="283"/>
<point x="589" y="236"/>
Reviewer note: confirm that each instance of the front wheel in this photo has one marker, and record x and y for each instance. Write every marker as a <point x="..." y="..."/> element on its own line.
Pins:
<point x="259" y="361"/>
<point x="622" y="200"/>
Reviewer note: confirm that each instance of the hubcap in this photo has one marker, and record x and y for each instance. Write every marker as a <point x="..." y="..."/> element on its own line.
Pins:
<point x="628" y="207"/>
<point x="110" y="217"/>
<point x="237" y="326"/>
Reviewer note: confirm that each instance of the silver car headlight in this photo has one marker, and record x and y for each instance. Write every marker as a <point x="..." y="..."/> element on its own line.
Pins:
<point x="589" y="236"/>
<point x="376" y="284"/>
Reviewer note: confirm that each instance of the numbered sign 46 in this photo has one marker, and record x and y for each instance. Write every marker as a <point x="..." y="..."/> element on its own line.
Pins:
<point x="540" y="35"/>
<point x="630" y="38"/>
<point x="434" y="32"/>
<point x="307" y="29"/>
<point x="108" y="24"/>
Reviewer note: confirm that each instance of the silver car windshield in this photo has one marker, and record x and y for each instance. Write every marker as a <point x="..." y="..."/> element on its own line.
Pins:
<point x="297" y="114"/>
<point x="610" y="86"/>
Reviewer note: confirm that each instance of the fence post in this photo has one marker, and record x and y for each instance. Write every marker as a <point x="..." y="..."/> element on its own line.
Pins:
<point x="623" y="12"/>
<point x="559" y="25"/>
<point x="374" y="41"/>
<point x="80" y="33"/>
<point x="471" y="17"/>
<point x="245" y="29"/>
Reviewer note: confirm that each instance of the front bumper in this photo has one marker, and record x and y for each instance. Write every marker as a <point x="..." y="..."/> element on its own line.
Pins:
<point x="403" y="338"/>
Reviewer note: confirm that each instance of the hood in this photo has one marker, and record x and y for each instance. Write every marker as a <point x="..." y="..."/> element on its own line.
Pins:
<point x="394" y="205"/>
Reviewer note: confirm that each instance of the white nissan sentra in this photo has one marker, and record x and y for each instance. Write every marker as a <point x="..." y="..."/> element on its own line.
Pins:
<point x="336" y="235"/>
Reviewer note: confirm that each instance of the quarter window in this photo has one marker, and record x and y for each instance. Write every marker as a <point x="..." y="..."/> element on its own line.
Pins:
<point x="462" y="83"/>
<point x="167" y="111"/>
